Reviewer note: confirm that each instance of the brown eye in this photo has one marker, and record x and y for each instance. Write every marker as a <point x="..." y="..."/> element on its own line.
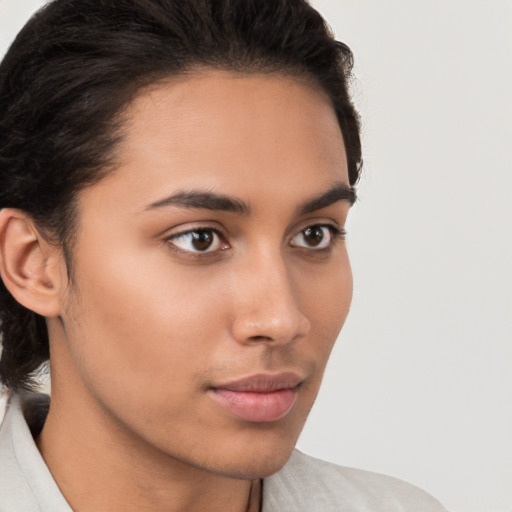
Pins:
<point x="314" y="237"/>
<point x="197" y="240"/>
<point x="202" y="240"/>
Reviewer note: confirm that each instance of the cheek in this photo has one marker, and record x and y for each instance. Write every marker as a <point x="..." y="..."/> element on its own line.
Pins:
<point x="142" y="323"/>
<point x="326" y="294"/>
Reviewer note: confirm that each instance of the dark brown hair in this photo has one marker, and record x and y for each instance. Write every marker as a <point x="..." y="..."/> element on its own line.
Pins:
<point x="76" y="65"/>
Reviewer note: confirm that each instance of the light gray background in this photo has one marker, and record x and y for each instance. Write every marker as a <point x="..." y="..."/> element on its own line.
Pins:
<point x="419" y="384"/>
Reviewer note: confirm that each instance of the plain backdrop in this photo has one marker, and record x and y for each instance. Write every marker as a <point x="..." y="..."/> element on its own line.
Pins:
<point x="420" y="383"/>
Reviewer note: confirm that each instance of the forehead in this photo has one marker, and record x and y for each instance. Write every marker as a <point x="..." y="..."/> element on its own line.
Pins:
<point x="225" y="130"/>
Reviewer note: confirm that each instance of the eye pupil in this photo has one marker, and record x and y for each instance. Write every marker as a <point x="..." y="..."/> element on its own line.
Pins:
<point x="314" y="235"/>
<point x="202" y="239"/>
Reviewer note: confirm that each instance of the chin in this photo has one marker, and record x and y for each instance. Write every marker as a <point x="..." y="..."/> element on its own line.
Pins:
<point x="258" y="458"/>
<point x="254" y="466"/>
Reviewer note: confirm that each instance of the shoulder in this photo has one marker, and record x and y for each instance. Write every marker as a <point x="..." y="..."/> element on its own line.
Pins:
<point x="309" y="484"/>
<point x="26" y="484"/>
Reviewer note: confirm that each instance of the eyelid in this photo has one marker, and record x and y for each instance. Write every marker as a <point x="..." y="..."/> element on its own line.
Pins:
<point x="327" y="222"/>
<point x="189" y="227"/>
<point x="337" y="233"/>
<point x="185" y="230"/>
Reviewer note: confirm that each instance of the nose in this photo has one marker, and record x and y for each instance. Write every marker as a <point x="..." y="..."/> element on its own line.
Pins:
<point x="266" y="303"/>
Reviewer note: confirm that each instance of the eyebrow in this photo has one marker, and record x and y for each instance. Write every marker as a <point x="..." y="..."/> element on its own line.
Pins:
<point x="202" y="200"/>
<point x="339" y="192"/>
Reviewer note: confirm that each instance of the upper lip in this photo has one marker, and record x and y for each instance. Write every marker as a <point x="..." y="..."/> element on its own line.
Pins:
<point x="263" y="383"/>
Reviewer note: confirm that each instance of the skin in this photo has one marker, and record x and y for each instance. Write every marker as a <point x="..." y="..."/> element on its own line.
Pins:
<point x="149" y="324"/>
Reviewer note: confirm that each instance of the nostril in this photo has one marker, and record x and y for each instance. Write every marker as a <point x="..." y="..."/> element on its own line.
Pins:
<point x="260" y="338"/>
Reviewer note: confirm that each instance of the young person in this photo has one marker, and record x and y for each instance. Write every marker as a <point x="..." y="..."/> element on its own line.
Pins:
<point x="174" y="182"/>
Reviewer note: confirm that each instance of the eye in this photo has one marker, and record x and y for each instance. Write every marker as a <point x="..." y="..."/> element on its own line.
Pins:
<point x="198" y="240"/>
<point x="316" y="237"/>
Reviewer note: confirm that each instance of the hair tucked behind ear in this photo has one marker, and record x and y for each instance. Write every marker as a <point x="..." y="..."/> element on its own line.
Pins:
<point x="76" y="65"/>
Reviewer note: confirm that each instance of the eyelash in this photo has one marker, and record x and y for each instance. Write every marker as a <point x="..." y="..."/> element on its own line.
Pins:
<point x="200" y="229"/>
<point x="336" y="234"/>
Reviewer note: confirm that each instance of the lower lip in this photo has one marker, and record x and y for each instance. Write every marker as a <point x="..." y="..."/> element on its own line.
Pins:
<point x="256" y="407"/>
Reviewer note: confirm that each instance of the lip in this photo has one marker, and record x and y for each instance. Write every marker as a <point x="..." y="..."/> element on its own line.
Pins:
<point x="258" y="398"/>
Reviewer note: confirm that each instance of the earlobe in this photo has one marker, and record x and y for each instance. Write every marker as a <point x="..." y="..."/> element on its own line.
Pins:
<point x="29" y="265"/>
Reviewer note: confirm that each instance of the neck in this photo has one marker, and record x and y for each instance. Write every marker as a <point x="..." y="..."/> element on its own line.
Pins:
<point x="100" y="466"/>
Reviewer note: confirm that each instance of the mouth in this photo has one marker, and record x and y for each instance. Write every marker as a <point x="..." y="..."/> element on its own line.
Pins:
<point x="258" y="398"/>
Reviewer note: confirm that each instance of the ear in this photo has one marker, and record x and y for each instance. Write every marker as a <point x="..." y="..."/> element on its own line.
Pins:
<point x="32" y="269"/>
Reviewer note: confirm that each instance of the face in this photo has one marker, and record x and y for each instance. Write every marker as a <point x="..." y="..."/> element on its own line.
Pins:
<point x="211" y="276"/>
